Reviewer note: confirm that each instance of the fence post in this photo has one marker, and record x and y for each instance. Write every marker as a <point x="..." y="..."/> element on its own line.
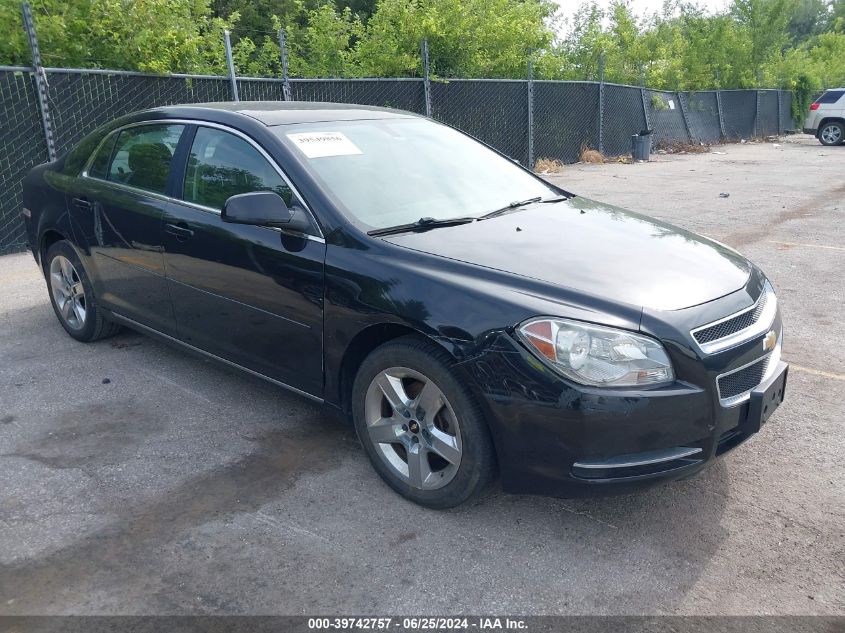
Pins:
<point x="283" y="53"/>
<point x="757" y="115"/>
<point x="721" y="114"/>
<point x="684" y="115"/>
<point x="530" y="114"/>
<point x="426" y="80"/>
<point x="231" y="64"/>
<point x="646" y="114"/>
<point x="601" y="103"/>
<point x="40" y="81"/>
<point x="780" y="127"/>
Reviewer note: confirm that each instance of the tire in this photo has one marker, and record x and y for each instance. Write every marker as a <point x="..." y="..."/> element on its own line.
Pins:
<point x="832" y="133"/>
<point x="72" y="295"/>
<point x="440" y="457"/>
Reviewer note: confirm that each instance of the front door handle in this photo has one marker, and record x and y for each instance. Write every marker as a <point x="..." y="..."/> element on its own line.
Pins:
<point x="82" y="203"/>
<point x="180" y="230"/>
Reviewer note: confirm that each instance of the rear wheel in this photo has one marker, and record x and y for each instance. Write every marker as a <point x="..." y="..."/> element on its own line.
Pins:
<point x="72" y="296"/>
<point x="422" y="430"/>
<point x="832" y="133"/>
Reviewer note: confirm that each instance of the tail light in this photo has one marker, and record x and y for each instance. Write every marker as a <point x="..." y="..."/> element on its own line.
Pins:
<point x="814" y="107"/>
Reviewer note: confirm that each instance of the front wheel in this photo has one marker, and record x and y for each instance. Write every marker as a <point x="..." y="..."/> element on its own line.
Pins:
<point x="422" y="430"/>
<point x="72" y="295"/>
<point x="832" y="133"/>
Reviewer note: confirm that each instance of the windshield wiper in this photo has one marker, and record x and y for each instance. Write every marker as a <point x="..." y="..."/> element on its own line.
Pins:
<point x="520" y="203"/>
<point x="423" y="224"/>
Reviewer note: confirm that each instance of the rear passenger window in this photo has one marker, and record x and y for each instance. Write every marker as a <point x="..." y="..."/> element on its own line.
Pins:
<point x="142" y="156"/>
<point x="100" y="165"/>
<point x="222" y="165"/>
<point x="831" y="96"/>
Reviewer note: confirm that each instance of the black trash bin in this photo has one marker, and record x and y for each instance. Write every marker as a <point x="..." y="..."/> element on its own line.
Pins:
<point x="641" y="145"/>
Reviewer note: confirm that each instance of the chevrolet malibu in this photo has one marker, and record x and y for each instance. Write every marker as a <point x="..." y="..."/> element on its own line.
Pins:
<point x="468" y="317"/>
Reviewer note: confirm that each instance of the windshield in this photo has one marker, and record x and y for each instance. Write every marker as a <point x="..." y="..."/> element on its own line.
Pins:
<point x="389" y="172"/>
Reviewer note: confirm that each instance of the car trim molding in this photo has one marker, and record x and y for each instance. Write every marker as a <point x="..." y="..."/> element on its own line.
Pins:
<point x="643" y="459"/>
<point x="140" y="326"/>
<point x="199" y="122"/>
<point x="760" y="326"/>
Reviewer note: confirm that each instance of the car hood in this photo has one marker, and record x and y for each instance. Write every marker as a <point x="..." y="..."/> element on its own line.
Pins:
<point x="597" y="249"/>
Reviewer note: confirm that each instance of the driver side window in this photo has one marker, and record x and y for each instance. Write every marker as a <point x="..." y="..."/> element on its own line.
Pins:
<point x="222" y="165"/>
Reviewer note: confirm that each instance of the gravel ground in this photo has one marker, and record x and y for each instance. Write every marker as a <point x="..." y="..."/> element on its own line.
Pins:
<point x="139" y="480"/>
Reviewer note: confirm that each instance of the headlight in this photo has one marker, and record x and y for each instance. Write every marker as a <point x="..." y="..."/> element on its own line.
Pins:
<point x="597" y="356"/>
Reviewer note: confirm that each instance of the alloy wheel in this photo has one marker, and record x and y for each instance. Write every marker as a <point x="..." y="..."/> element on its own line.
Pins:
<point x="413" y="427"/>
<point x="831" y="134"/>
<point x="68" y="292"/>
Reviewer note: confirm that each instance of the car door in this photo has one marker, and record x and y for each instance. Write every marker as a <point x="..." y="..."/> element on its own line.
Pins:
<point x="117" y="208"/>
<point x="251" y="295"/>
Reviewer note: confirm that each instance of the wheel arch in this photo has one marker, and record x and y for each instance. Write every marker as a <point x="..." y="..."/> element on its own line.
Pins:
<point x="829" y="119"/>
<point x="361" y="345"/>
<point x="47" y="239"/>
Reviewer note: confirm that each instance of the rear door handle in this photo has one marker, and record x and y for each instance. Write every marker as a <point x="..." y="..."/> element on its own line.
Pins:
<point x="181" y="231"/>
<point x="82" y="203"/>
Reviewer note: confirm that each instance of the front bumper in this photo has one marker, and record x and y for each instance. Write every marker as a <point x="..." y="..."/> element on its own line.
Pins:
<point x="812" y="131"/>
<point x="560" y="439"/>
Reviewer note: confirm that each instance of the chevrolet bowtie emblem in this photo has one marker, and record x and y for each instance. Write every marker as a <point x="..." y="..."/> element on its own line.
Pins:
<point x="770" y="341"/>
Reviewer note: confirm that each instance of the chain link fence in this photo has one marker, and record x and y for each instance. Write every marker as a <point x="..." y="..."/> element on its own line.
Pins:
<point x="565" y="118"/>
<point x="768" y="121"/>
<point x="22" y="146"/>
<point x="667" y="118"/>
<point x="739" y="111"/>
<point x="623" y="116"/>
<point x="403" y="94"/>
<point x="493" y="111"/>
<point x="81" y="101"/>
<point x="702" y="111"/>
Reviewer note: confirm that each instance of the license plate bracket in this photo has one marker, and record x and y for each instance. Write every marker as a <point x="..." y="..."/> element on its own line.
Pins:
<point x="765" y="398"/>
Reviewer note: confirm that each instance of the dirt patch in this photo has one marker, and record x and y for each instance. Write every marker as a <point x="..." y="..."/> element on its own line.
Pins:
<point x="91" y="435"/>
<point x="744" y="237"/>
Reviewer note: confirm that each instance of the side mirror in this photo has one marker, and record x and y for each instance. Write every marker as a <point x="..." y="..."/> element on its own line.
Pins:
<point x="264" y="208"/>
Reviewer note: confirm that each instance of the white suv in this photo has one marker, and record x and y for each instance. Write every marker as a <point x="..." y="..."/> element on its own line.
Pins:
<point x="826" y="120"/>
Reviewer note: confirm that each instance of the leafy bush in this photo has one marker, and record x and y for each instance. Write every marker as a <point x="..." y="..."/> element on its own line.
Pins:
<point x="798" y="44"/>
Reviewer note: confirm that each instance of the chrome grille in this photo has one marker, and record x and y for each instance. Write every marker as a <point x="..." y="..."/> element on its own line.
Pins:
<point x="732" y="326"/>
<point x="740" y="327"/>
<point x="736" y="384"/>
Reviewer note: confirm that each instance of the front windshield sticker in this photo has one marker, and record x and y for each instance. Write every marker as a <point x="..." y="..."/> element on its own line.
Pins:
<point x="322" y="144"/>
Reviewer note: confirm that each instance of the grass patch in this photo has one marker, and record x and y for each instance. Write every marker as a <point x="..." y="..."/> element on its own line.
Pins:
<point x="591" y="156"/>
<point x="548" y="166"/>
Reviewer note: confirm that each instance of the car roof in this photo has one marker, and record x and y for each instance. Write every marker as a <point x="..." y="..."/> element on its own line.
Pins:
<point x="287" y="112"/>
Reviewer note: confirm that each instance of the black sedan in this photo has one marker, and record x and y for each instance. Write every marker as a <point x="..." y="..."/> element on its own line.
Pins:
<point x="467" y="316"/>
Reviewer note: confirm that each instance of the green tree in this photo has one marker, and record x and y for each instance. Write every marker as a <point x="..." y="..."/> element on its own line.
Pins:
<point x="796" y="44"/>
<point x="836" y="16"/>
<point x="323" y="48"/>
<point x="765" y="22"/>
<point x="471" y="38"/>
<point x="807" y="18"/>
<point x="582" y="50"/>
<point x="147" y="35"/>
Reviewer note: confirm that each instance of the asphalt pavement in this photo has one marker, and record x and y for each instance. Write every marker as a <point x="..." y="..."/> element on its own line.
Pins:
<point x="137" y="479"/>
